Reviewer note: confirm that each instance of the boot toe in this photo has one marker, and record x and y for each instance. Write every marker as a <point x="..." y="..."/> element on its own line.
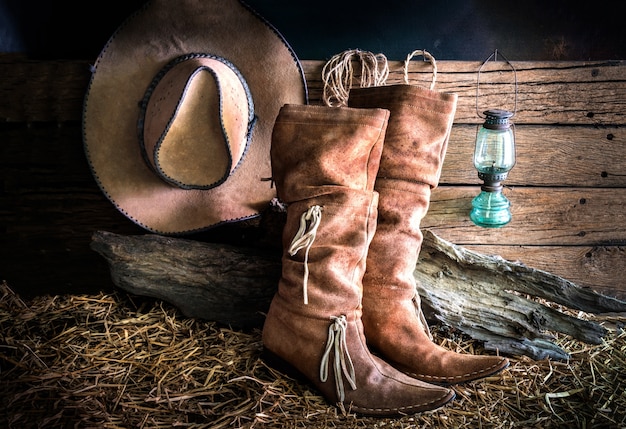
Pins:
<point x="414" y="399"/>
<point x="385" y="391"/>
<point x="462" y="369"/>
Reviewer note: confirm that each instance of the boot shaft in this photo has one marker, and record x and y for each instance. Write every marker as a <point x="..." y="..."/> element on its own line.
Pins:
<point x="324" y="164"/>
<point x="323" y="278"/>
<point x="415" y="146"/>
<point x="419" y="128"/>
<point x="317" y="147"/>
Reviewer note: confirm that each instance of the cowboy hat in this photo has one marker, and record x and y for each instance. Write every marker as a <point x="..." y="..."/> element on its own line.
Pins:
<point x="179" y="113"/>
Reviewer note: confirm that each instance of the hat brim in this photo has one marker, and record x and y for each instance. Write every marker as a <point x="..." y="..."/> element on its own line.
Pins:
<point x="146" y="42"/>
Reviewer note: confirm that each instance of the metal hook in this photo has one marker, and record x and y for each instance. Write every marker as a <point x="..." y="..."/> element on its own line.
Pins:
<point x="494" y="55"/>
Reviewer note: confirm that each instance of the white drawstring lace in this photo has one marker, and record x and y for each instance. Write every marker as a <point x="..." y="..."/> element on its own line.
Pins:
<point x="343" y="363"/>
<point x="420" y="314"/>
<point x="304" y="238"/>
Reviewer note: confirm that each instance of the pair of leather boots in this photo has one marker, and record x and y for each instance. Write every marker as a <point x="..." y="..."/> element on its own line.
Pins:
<point x="357" y="182"/>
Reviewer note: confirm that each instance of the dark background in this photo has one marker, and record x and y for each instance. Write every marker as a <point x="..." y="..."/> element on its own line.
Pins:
<point x="450" y="30"/>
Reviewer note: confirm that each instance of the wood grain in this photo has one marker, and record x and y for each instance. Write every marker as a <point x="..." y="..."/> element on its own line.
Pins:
<point x="573" y="92"/>
<point x="541" y="216"/>
<point x="582" y="93"/>
<point x="578" y="156"/>
<point x="567" y="189"/>
<point x="601" y="268"/>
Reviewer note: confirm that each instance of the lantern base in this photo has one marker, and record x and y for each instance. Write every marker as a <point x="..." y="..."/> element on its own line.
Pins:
<point x="490" y="210"/>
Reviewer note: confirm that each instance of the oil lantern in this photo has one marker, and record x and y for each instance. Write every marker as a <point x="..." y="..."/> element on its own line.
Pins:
<point x="494" y="157"/>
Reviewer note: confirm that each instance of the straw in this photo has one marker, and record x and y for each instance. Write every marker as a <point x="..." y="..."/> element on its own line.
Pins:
<point x="117" y="361"/>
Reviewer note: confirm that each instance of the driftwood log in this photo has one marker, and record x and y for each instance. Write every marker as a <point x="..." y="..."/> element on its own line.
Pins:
<point x="507" y="305"/>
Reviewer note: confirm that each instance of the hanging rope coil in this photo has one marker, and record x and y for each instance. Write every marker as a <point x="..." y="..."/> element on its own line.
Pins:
<point x="338" y="74"/>
<point x="427" y="56"/>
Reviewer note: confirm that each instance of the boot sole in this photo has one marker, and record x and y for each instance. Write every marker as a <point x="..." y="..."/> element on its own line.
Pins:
<point x="497" y="370"/>
<point x="284" y="367"/>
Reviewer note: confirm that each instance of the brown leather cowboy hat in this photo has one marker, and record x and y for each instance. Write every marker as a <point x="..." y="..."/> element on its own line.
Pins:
<point x="179" y="113"/>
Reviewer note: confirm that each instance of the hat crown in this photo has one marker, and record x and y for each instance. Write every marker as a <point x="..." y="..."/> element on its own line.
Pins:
<point x="195" y="121"/>
<point x="205" y="145"/>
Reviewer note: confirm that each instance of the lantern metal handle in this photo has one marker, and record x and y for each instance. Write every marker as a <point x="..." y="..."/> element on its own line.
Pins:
<point x="494" y="55"/>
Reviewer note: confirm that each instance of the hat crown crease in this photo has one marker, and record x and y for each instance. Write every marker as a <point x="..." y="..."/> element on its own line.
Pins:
<point x="197" y="122"/>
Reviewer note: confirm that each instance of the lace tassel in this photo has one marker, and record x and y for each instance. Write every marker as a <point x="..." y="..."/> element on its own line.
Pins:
<point x="304" y="238"/>
<point x="343" y="363"/>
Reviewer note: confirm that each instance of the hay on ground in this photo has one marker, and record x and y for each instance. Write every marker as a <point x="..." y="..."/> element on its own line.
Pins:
<point x="113" y="361"/>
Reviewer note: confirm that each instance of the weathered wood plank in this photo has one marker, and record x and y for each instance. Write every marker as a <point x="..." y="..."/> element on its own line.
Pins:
<point x="580" y="156"/>
<point x="548" y="92"/>
<point x="42" y="91"/>
<point x="585" y="93"/>
<point x="50" y="186"/>
<point x="547" y="156"/>
<point x="601" y="268"/>
<point x="48" y="189"/>
<point x="541" y="216"/>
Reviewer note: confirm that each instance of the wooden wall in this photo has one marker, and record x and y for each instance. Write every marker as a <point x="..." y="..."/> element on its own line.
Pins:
<point x="568" y="189"/>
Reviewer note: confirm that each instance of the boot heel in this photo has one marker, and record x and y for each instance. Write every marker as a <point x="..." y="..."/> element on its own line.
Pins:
<point x="281" y="365"/>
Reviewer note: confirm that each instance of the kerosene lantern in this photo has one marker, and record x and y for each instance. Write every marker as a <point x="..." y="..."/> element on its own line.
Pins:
<point x="494" y="157"/>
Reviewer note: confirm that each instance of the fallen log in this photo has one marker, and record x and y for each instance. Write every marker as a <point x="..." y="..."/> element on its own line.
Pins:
<point x="220" y="282"/>
<point x="511" y="307"/>
<point x="493" y="300"/>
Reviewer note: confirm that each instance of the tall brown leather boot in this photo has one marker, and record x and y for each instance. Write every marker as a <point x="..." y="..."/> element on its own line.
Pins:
<point x="324" y="163"/>
<point x="414" y="149"/>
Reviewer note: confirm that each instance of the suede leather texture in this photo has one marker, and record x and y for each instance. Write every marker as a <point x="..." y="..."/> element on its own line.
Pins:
<point x="329" y="157"/>
<point x="150" y="39"/>
<point x="413" y="155"/>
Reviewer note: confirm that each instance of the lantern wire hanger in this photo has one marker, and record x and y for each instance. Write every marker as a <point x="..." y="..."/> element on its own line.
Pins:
<point x="494" y="56"/>
<point x="494" y="157"/>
